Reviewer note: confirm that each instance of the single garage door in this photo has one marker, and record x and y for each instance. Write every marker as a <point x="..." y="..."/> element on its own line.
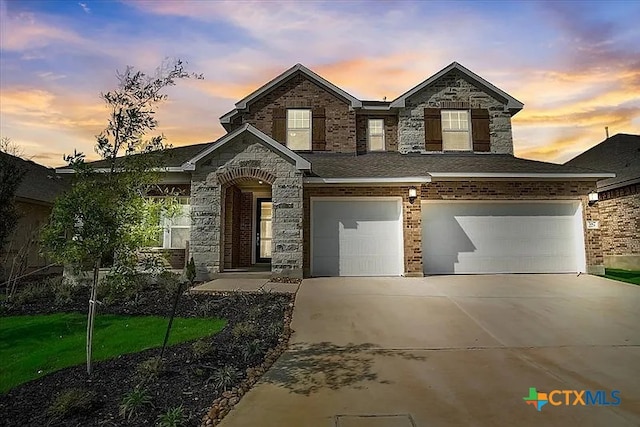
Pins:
<point x="530" y="237"/>
<point x="356" y="237"/>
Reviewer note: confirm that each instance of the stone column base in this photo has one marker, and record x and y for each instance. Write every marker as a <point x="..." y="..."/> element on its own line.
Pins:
<point x="596" y="270"/>
<point x="413" y="274"/>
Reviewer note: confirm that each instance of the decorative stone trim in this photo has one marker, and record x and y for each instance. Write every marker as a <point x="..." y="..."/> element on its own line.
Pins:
<point x="237" y="175"/>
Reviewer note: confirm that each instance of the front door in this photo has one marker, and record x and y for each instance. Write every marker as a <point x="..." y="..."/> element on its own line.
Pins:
<point x="263" y="230"/>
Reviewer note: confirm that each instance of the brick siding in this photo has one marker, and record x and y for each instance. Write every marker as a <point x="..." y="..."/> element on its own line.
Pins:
<point x="299" y="91"/>
<point x="390" y="132"/>
<point x="411" y="221"/>
<point x="459" y="190"/>
<point x="526" y="190"/>
<point x="620" y="223"/>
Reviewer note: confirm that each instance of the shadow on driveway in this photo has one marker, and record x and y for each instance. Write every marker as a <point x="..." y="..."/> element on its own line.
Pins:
<point x="307" y="368"/>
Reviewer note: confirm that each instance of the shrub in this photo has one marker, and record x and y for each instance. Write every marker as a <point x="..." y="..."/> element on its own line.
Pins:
<point x="202" y="348"/>
<point x="33" y="292"/>
<point x="63" y="290"/>
<point x="244" y="330"/>
<point x="122" y="287"/>
<point x="207" y="308"/>
<point x="71" y="401"/>
<point x="174" y="417"/>
<point x="253" y="349"/>
<point x="254" y="312"/>
<point x="224" y="378"/>
<point x="169" y="282"/>
<point x="190" y="271"/>
<point x="133" y="402"/>
<point x="274" y="330"/>
<point x="151" y="368"/>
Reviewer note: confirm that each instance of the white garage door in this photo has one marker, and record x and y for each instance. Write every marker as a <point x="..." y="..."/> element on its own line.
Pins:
<point x="532" y="237"/>
<point x="356" y="237"/>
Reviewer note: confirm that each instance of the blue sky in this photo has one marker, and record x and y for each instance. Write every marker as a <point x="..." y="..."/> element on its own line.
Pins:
<point x="575" y="65"/>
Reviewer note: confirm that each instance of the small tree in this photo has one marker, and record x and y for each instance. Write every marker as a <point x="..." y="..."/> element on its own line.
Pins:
<point x="11" y="175"/>
<point x="106" y="213"/>
<point x="7" y="145"/>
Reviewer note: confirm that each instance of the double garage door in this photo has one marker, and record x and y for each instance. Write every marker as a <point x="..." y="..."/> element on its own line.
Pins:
<point x="364" y="237"/>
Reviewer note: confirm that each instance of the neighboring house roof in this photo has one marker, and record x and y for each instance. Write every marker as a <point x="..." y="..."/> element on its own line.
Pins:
<point x="298" y="68"/>
<point x="40" y="183"/>
<point x="619" y="154"/>
<point x="512" y="104"/>
<point x="175" y="157"/>
<point x="329" y="166"/>
<point x="300" y="162"/>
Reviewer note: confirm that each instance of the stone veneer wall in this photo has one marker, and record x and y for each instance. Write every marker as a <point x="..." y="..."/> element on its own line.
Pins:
<point x="340" y="122"/>
<point x="209" y="181"/>
<point x="528" y="190"/>
<point x="452" y="87"/>
<point x="620" y="224"/>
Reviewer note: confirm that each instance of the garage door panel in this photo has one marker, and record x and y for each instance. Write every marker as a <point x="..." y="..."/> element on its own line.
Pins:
<point x="356" y="238"/>
<point x="502" y="237"/>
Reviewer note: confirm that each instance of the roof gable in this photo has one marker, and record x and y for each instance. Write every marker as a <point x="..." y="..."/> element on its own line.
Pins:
<point x="282" y="78"/>
<point x="512" y="104"/>
<point x="300" y="162"/>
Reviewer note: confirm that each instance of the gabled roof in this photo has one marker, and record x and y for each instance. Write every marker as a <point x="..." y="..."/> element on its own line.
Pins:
<point x="512" y="104"/>
<point x="300" y="162"/>
<point x="619" y="154"/>
<point x="298" y="68"/>
<point x="40" y="183"/>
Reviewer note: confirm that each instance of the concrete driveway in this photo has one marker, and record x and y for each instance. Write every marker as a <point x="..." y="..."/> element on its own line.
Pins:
<point x="452" y="351"/>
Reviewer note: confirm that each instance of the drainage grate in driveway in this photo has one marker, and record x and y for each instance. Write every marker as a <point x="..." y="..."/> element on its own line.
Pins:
<point x="395" y="420"/>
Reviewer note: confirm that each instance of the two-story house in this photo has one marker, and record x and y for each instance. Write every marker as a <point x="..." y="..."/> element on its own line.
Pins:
<point x="319" y="183"/>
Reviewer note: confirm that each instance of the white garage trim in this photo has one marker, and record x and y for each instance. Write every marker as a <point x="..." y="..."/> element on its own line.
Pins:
<point x="399" y="252"/>
<point x="548" y="238"/>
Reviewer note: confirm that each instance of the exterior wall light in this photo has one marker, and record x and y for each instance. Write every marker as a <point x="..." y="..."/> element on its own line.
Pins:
<point x="413" y="194"/>
<point x="593" y="198"/>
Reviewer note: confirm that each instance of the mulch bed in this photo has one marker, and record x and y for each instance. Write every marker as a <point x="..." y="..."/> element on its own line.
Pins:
<point x="186" y="377"/>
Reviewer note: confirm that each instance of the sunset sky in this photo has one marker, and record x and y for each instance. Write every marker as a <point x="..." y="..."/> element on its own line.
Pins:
<point x="575" y="65"/>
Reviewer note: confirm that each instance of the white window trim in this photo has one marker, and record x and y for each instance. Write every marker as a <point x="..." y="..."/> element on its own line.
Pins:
<point x="384" y="141"/>
<point x="310" y="129"/>
<point x="468" y="130"/>
<point x="165" y="224"/>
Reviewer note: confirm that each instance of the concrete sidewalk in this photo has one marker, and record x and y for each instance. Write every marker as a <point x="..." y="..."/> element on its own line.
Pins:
<point x="452" y="350"/>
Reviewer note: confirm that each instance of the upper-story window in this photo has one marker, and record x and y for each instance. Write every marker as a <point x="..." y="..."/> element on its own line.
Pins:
<point x="299" y="129"/>
<point x="456" y="135"/>
<point x="457" y="129"/>
<point x="375" y="136"/>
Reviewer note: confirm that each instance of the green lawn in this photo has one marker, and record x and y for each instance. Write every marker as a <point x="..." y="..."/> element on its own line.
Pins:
<point x="33" y="346"/>
<point x="623" y="275"/>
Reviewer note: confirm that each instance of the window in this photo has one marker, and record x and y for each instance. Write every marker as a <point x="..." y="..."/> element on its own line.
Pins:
<point x="376" y="135"/>
<point x="299" y="129"/>
<point x="175" y="229"/>
<point x="455" y="130"/>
